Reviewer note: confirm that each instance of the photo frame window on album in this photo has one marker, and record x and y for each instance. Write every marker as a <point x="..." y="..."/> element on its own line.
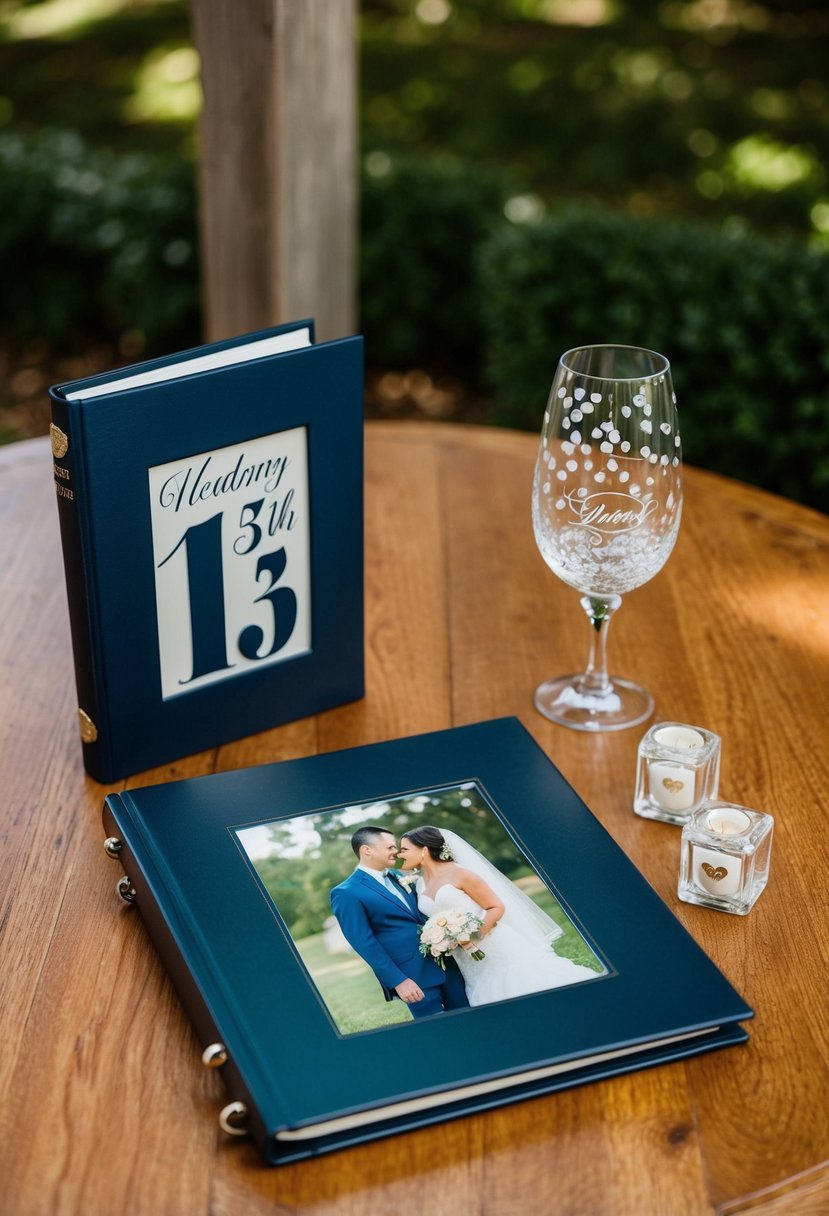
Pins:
<point x="303" y="863"/>
<point x="211" y="509"/>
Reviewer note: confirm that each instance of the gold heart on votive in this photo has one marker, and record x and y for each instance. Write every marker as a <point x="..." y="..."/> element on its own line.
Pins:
<point x="672" y="785"/>
<point x="714" y="875"/>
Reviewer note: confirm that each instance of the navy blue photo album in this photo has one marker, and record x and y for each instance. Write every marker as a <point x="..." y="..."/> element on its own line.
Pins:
<point x="211" y="516"/>
<point x="445" y="902"/>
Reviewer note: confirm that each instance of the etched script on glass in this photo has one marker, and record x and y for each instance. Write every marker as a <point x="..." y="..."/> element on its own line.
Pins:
<point x="609" y="513"/>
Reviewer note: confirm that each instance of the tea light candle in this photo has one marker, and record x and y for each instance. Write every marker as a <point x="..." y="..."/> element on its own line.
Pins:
<point x="728" y="822"/>
<point x="725" y="855"/>
<point x="678" y="736"/>
<point x="678" y="770"/>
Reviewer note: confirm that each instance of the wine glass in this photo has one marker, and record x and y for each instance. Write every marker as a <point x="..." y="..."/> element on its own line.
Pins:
<point x="607" y="500"/>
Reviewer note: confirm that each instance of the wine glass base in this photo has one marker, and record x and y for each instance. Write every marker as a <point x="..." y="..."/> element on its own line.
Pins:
<point x="569" y="703"/>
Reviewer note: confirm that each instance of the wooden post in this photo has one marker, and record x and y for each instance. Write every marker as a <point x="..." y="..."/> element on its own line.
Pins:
<point x="278" y="172"/>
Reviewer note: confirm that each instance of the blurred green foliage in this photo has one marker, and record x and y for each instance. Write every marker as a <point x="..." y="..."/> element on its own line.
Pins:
<point x="529" y="168"/>
<point x="95" y="243"/>
<point x="422" y="223"/>
<point x="744" y="321"/>
<point x="96" y="66"/>
<point x="707" y="108"/>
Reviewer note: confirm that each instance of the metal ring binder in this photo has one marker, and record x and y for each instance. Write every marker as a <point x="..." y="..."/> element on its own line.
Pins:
<point x="214" y="1056"/>
<point x="232" y="1116"/>
<point x="126" y="890"/>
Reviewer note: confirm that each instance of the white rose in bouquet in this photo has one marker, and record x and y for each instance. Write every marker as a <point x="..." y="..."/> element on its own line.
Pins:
<point x="445" y="931"/>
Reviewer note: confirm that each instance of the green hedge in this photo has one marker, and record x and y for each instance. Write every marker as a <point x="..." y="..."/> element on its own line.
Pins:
<point x="422" y="224"/>
<point x="743" y="320"/>
<point x="94" y="244"/>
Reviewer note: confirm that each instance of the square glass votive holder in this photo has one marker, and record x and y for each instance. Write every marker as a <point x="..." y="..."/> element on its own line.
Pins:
<point x="726" y="852"/>
<point x="678" y="770"/>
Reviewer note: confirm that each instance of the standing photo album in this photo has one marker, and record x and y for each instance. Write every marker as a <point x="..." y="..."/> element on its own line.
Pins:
<point x="303" y="910"/>
<point x="211" y="515"/>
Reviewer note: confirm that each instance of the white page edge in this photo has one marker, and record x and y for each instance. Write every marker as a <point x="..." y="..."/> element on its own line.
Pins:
<point x="274" y="345"/>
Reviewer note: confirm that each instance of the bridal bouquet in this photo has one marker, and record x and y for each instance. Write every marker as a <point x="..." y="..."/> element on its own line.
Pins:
<point x="445" y="931"/>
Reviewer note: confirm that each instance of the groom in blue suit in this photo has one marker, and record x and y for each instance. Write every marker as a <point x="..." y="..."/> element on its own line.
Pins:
<point x="381" y="920"/>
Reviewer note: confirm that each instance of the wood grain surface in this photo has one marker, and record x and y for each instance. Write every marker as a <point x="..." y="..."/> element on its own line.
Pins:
<point x="105" y="1107"/>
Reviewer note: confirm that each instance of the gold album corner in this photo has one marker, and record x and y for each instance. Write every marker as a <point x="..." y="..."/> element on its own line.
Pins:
<point x="60" y="441"/>
<point x="89" y="731"/>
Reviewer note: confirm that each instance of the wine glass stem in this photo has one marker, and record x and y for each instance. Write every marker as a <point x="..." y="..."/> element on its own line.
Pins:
<point x="599" y="611"/>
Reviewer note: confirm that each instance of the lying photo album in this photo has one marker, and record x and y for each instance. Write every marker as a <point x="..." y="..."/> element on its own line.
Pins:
<point x="445" y="900"/>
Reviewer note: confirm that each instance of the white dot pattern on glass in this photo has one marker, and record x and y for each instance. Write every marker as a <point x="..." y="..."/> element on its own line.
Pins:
<point x="609" y="454"/>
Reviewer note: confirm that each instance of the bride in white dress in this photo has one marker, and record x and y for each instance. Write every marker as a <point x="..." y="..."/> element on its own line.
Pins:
<point x="516" y="936"/>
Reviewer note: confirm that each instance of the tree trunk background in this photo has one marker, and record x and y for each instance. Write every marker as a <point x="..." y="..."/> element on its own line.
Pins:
<point x="278" y="174"/>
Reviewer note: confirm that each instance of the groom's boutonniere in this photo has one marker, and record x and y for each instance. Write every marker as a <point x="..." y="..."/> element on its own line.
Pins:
<point x="408" y="881"/>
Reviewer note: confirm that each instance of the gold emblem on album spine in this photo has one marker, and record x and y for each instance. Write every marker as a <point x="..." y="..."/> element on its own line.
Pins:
<point x="60" y="441"/>
<point x="89" y="731"/>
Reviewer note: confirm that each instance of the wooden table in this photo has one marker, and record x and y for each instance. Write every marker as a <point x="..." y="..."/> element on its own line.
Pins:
<point x="105" y="1108"/>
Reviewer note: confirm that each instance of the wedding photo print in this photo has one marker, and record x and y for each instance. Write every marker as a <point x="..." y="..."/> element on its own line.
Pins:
<point x="412" y="906"/>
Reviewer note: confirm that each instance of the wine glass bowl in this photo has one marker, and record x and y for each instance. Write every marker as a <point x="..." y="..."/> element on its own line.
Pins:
<point x="606" y="506"/>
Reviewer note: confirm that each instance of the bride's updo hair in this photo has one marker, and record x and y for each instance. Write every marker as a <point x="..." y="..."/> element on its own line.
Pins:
<point x="433" y="840"/>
